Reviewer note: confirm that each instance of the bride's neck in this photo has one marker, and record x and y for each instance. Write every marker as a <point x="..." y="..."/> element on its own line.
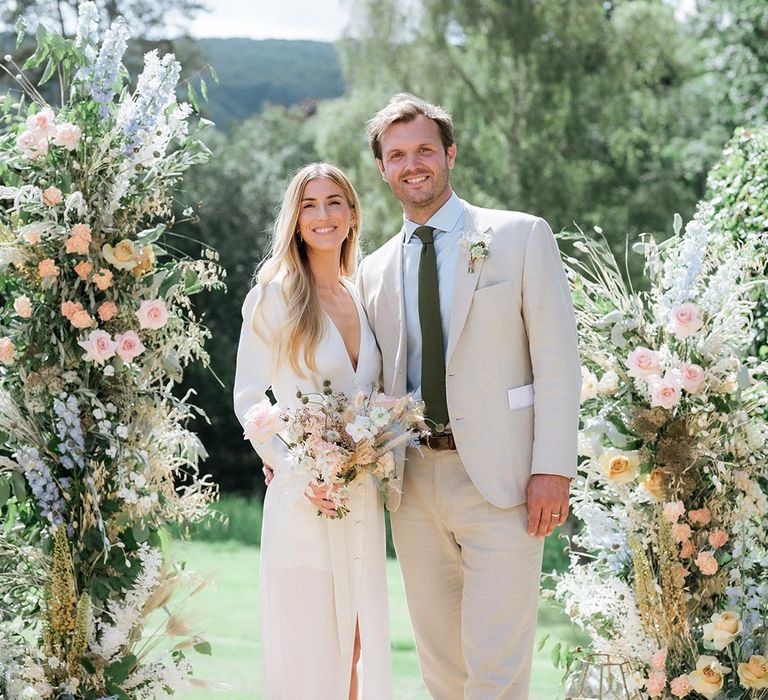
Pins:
<point x="326" y="269"/>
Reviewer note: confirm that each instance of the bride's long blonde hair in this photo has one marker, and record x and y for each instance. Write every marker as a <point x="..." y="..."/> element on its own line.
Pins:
<point x="301" y="332"/>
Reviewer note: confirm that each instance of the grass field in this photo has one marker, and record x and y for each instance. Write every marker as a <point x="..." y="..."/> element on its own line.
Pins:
<point x="227" y="615"/>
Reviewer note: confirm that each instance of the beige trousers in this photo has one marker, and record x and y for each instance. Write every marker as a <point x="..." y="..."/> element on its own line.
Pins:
<point x="471" y="575"/>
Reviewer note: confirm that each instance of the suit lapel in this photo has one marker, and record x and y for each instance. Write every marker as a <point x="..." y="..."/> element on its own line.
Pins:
<point x="465" y="283"/>
<point x="392" y="281"/>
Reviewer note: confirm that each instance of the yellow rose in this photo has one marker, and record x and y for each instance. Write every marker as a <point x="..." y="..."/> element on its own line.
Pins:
<point x="619" y="467"/>
<point x="707" y="679"/>
<point x="655" y="483"/>
<point x="144" y="262"/>
<point x="754" y="674"/>
<point x="122" y="256"/>
<point x="723" y="629"/>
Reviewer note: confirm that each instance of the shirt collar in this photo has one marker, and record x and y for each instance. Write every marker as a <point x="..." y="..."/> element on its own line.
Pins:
<point x="445" y="218"/>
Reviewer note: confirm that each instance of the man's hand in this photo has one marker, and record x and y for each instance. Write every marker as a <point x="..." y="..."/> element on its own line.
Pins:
<point x="269" y="474"/>
<point x="547" y="503"/>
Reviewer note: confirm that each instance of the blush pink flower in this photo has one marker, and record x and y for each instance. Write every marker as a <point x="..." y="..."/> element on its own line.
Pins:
<point x="691" y="377"/>
<point x="79" y="240"/>
<point x="47" y="268"/>
<point x="103" y="279"/>
<point x="129" y="345"/>
<point x="107" y="311"/>
<point x="681" y="532"/>
<point x="52" y="196"/>
<point x="643" y="362"/>
<point x="81" y="319"/>
<point x="673" y="511"/>
<point x="99" y="347"/>
<point x="680" y="686"/>
<point x="707" y="563"/>
<point x="684" y="320"/>
<point x="702" y="516"/>
<point x="655" y="684"/>
<point x="152" y="314"/>
<point x="83" y="269"/>
<point x="7" y="351"/>
<point x="67" y="136"/>
<point x="23" y="306"/>
<point x="70" y="308"/>
<point x="687" y="549"/>
<point x="42" y="123"/>
<point x="31" y="146"/>
<point x="659" y="659"/>
<point x="665" y="392"/>
<point x="717" y="538"/>
<point x="262" y="421"/>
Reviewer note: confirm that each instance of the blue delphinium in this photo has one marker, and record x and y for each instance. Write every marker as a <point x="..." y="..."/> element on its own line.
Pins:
<point x="104" y="75"/>
<point x="44" y="487"/>
<point x="69" y="430"/>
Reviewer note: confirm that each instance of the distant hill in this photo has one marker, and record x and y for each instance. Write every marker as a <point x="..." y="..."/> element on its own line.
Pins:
<point x="253" y="73"/>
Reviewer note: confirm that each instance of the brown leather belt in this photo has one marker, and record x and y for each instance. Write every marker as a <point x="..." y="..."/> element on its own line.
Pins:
<point x="439" y="442"/>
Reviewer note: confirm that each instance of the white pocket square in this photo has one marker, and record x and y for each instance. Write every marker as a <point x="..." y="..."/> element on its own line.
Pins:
<point x="520" y="397"/>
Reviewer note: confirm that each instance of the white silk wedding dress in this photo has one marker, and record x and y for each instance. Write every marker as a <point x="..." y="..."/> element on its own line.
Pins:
<point x="318" y="576"/>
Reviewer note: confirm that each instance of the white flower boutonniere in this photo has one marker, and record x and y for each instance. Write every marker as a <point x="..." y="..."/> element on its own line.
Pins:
<point x="476" y="243"/>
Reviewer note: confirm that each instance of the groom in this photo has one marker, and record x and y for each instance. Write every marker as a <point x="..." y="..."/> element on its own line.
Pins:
<point x="485" y="334"/>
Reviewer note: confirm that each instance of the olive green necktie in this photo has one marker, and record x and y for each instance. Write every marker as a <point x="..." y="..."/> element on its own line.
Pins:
<point x="432" y="344"/>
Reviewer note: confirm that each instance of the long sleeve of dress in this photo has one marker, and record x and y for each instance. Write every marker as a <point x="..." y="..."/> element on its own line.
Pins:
<point x="253" y="374"/>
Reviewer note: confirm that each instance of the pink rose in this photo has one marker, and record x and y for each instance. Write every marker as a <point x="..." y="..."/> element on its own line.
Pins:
<point x="659" y="659"/>
<point x="103" y="279"/>
<point x="42" y="123"/>
<point x="81" y="319"/>
<point x="680" y="686"/>
<point x="129" y="345"/>
<point x="52" y="196"/>
<point x="692" y="377"/>
<point x="262" y="421"/>
<point x="152" y="314"/>
<point x="686" y="551"/>
<point x="665" y="392"/>
<point x="47" y="268"/>
<point x="655" y="684"/>
<point x="702" y="516"/>
<point x="684" y="320"/>
<point x="23" y="307"/>
<point x="7" y="351"/>
<point x="99" y="347"/>
<point x="717" y="538"/>
<point x="107" y="311"/>
<point x="707" y="563"/>
<point x="673" y="511"/>
<point x="681" y="532"/>
<point x="83" y="269"/>
<point x="643" y="362"/>
<point x="67" y="136"/>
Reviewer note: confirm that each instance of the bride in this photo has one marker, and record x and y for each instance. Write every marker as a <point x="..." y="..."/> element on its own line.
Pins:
<point x="323" y="597"/>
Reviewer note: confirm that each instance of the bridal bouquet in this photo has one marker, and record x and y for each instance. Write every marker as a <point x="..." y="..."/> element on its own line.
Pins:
<point x="332" y="439"/>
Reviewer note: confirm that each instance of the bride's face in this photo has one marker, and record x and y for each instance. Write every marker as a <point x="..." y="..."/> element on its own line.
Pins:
<point x="325" y="217"/>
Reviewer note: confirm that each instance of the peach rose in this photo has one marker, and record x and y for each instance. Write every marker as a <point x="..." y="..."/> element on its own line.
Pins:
<point x="702" y="516"/>
<point x="152" y="314"/>
<point x="680" y="686"/>
<point x="47" y="268"/>
<point x="754" y="673"/>
<point x="687" y="549"/>
<point x="681" y="532"/>
<point x="144" y="262"/>
<point x="7" y="351"/>
<point x="103" y="279"/>
<point x="67" y="136"/>
<point x="619" y="467"/>
<point x="83" y="269"/>
<point x="717" y="538"/>
<point x="665" y="392"/>
<point x="107" y="311"/>
<point x="673" y="511"/>
<point x="122" y="256"/>
<point x="684" y="320"/>
<point x="129" y="345"/>
<point x="23" y="306"/>
<point x="262" y="421"/>
<point x="692" y="377"/>
<point x="643" y="363"/>
<point x="81" y="319"/>
<point x="707" y="679"/>
<point x="99" y="347"/>
<point x="52" y="196"/>
<point x="723" y="629"/>
<point x="706" y="563"/>
<point x="655" y="483"/>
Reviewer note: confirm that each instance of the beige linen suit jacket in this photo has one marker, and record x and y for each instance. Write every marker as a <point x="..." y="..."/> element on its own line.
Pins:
<point x="513" y="374"/>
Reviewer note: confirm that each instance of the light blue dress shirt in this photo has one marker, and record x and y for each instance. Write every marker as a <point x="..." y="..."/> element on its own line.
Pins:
<point x="448" y="222"/>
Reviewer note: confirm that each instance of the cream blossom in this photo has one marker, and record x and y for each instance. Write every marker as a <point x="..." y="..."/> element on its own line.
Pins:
<point x="588" y="385"/>
<point x="261" y="421"/>
<point x="684" y="320"/>
<point x="723" y="629"/>
<point x="619" y="467"/>
<point x="67" y="136"/>
<point x="152" y="314"/>
<point x="643" y="363"/>
<point x="99" y="347"/>
<point x="708" y="678"/>
<point x="608" y="384"/>
<point x="129" y="345"/>
<point x="754" y="673"/>
<point x="23" y="306"/>
<point x="122" y="256"/>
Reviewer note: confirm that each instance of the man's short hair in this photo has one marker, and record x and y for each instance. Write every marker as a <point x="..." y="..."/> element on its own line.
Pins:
<point x="405" y="107"/>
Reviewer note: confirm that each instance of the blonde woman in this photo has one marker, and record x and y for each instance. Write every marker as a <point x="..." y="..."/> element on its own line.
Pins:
<point x="323" y="598"/>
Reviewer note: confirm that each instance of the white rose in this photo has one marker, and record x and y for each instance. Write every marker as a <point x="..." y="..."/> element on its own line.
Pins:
<point x="67" y="136"/>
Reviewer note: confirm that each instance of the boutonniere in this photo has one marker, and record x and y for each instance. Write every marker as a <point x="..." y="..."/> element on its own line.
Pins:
<point x="476" y="243"/>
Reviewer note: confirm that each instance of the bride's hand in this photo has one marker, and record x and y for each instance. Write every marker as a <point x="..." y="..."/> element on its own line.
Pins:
<point x="318" y="498"/>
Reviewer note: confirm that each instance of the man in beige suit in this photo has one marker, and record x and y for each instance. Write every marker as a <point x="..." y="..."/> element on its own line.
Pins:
<point x="472" y="311"/>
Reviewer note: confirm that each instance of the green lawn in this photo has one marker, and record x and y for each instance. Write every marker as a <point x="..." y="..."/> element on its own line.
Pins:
<point x="226" y="613"/>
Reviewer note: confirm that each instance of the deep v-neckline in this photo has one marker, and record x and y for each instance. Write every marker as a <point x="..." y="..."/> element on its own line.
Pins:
<point x="354" y="366"/>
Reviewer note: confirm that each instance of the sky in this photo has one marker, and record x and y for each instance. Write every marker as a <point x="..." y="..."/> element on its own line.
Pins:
<point x="322" y="20"/>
